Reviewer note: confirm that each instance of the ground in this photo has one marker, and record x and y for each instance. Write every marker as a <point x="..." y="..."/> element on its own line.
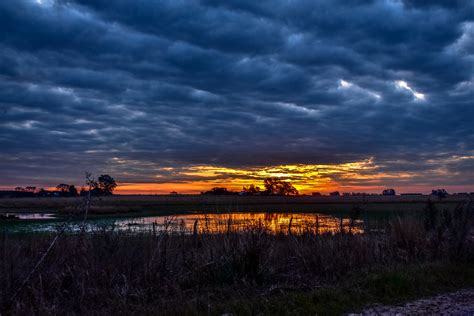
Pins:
<point x="204" y="203"/>
<point x="455" y="303"/>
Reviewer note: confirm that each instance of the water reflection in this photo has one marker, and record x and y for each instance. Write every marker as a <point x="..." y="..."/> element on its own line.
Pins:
<point x="33" y="216"/>
<point x="221" y="223"/>
<point x="194" y="223"/>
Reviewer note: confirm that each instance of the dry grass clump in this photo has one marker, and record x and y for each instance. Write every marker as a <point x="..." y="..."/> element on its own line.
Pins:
<point x="159" y="272"/>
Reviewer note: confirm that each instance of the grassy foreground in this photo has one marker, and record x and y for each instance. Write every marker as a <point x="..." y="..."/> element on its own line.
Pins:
<point x="248" y="272"/>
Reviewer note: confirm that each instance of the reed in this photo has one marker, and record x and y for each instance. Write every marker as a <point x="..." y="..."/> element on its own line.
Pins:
<point x="169" y="271"/>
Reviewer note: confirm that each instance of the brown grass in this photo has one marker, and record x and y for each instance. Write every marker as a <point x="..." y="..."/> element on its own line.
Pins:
<point x="164" y="272"/>
<point x="184" y="203"/>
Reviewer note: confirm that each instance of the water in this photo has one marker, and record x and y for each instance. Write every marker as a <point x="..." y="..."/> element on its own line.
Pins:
<point x="30" y="216"/>
<point x="202" y="223"/>
<point x="221" y="223"/>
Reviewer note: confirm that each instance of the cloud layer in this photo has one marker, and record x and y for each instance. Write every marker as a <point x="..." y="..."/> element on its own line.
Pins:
<point x="135" y="87"/>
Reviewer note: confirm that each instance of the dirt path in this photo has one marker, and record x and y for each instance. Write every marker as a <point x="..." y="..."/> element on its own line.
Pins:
<point x="456" y="303"/>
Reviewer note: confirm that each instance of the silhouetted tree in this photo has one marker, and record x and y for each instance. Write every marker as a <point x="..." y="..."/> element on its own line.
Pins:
<point x="335" y="193"/>
<point x="388" y="192"/>
<point x="72" y="190"/>
<point x="251" y="190"/>
<point x="20" y="189"/>
<point x="218" y="191"/>
<point x="63" y="187"/>
<point x="275" y="186"/>
<point x="30" y="189"/>
<point x="106" y="184"/>
<point x="67" y="189"/>
<point x="440" y="193"/>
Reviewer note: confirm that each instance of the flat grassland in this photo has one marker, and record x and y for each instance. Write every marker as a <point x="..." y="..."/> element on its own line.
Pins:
<point x="157" y="204"/>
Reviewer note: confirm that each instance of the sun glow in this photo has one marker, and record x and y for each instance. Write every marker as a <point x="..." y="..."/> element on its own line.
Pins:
<point x="306" y="178"/>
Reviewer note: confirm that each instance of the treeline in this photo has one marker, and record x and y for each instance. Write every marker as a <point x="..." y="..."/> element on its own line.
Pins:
<point x="272" y="186"/>
<point x="104" y="185"/>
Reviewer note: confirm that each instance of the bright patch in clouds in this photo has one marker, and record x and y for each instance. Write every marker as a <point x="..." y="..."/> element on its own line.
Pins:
<point x="45" y="2"/>
<point x="343" y="84"/>
<point x="404" y="85"/>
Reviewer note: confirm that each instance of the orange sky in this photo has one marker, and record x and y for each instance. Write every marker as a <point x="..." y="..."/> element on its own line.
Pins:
<point x="306" y="178"/>
<point x="361" y="176"/>
<point x="358" y="176"/>
<point x="197" y="187"/>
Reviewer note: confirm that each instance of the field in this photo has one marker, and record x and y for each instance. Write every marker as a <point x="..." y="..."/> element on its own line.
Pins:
<point x="426" y="248"/>
<point x="242" y="273"/>
<point x="120" y="204"/>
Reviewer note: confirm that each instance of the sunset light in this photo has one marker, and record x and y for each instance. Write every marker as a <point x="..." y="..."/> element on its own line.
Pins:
<point x="355" y="176"/>
<point x="268" y="157"/>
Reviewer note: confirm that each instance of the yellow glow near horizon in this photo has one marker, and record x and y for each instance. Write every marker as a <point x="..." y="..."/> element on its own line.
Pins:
<point x="306" y="178"/>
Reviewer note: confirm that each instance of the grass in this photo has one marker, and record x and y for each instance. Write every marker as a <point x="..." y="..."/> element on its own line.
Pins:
<point x="387" y="286"/>
<point x="249" y="272"/>
<point x="123" y="204"/>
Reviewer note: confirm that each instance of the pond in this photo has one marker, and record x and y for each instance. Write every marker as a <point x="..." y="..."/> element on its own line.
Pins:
<point x="274" y="222"/>
<point x="221" y="223"/>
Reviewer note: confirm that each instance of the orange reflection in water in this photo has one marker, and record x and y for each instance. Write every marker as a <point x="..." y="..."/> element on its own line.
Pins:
<point x="234" y="222"/>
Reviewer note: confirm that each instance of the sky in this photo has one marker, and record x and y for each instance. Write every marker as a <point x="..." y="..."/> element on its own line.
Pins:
<point x="186" y="95"/>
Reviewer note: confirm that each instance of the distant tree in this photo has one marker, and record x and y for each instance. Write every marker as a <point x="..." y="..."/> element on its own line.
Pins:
<point x="218" y="191"/>
<point x="275" y="186"/>
<point x="63" y="187"/>
<point x="72" y="190"/>
<point x="20" y="189"/>
<point x="440" y="193"/>
<point x="30" y="189"/>
<point x="106" y="184"/>
<point x="251" y="190"/>
<point x="335" y="193"/>
<point x="388" y="192"/>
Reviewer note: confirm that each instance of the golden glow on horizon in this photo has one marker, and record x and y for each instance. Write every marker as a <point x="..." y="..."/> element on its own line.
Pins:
<point x="358" y="176"/>
<point x="324" y="178"/>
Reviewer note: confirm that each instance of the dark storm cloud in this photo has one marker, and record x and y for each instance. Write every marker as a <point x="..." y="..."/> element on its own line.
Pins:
<point x="86" y="84"/>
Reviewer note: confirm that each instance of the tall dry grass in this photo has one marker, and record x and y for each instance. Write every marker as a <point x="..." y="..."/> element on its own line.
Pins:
<point x="161" y="271"/>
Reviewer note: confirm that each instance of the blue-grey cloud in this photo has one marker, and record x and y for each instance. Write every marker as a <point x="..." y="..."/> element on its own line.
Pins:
<point x="234" y="83"/>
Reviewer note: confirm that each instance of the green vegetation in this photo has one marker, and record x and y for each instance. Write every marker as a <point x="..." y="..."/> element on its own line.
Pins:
<point x="388" y="286"/>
